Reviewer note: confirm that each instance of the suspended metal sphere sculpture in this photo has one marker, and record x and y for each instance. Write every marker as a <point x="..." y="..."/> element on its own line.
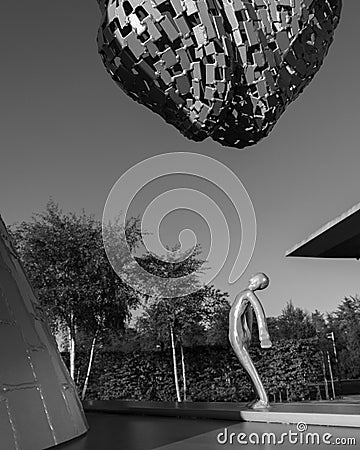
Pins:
<point x="220" y="68"/>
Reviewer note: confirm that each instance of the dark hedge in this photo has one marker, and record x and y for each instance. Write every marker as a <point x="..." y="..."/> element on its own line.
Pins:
<point x="288" y="370"/>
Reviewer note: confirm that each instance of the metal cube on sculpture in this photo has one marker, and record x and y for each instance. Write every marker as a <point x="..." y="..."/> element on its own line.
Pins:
<point x="39" y="406"/>
<point x="224" y="69"/>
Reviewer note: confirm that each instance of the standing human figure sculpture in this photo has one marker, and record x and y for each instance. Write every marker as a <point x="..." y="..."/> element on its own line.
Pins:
<point x="240" y="327"/>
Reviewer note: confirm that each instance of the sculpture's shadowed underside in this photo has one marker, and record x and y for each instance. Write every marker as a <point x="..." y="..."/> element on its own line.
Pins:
<point x="225" y="69"/>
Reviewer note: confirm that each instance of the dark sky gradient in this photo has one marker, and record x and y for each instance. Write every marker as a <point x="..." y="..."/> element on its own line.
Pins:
<point x="69" y="132"/>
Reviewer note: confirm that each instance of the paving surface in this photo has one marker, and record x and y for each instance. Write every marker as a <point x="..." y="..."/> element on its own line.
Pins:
<point x="134" y="432"/>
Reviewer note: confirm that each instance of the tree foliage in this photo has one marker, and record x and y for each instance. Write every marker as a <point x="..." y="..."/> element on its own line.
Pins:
<point x="293" y="323"/>
<point x="64" y="258"/>
<point x="65" y="261"/>
<point x="345" y="323"/>
<point x="180" y="321"/>
<point x="193" y="318"/>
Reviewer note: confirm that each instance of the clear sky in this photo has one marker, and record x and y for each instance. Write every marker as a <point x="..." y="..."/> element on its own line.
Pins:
<point x="68" y="132"/>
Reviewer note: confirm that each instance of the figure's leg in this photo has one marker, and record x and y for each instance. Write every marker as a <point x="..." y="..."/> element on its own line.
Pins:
<point x="245" y="360"/>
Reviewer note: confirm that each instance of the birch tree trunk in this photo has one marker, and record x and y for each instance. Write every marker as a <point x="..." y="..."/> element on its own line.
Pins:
<point x="72" y="346"/>
<point x="91" y="358"/>
<point x="176" y="379"/>
<point x="183" y="371"/>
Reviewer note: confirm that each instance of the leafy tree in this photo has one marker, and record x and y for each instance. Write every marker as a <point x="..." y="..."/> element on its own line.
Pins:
<point x="181" y="321"/>
<point x="65" y="260"/>
<point x="319" y="322"/>
<point x="217" y="328"/>
<point x="345" y="323"/>
<point x="163" y="319"/>
<point x="293" y="323"/>
<point x="170" y="322"/>
<point x="321" y="331"/>
<point x="273" y="327"/>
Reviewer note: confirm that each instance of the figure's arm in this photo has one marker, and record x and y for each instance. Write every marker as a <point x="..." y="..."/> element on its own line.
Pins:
<point x="261" y="320"/>
<point x="249" y="316"/>
<point x="237" y="328"/>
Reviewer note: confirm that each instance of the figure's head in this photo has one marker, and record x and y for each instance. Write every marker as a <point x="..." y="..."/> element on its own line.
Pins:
<point x="258" y="281"/>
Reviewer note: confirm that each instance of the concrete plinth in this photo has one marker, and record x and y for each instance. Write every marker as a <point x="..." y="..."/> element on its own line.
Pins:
<point x="312" y="413"/>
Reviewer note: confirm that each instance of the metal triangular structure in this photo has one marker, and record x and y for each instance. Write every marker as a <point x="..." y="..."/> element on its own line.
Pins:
<point x="39" y="405"/>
